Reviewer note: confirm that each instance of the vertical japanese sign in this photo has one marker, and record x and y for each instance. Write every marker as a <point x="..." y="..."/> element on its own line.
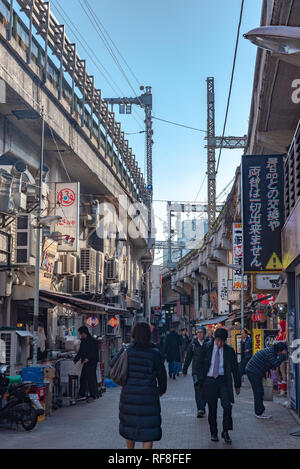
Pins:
<point x="237" y="257"/>
<point x="67" y="196"/>
<point x="263" y="212"/>
<point x="223" y="289"/>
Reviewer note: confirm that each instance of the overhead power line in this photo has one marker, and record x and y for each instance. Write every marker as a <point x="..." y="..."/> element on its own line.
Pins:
<point x="200" y="187"/>
<point x="91" y="54"/>
<point x="94" y="20"/>
<point x="231" y="80"/>
<point x="179" y="125"/>
<point x="120" y="54"/>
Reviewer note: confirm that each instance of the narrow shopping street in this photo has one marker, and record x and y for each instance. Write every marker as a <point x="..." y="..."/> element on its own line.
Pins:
<point x="95" y="425"/>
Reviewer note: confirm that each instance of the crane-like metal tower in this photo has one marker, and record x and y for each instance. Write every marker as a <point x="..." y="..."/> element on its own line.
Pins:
<point x="145" y="102"/>
<point x="213" y="143"/>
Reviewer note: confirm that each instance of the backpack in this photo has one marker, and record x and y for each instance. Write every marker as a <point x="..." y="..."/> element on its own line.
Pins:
<point x="119" y="370"/>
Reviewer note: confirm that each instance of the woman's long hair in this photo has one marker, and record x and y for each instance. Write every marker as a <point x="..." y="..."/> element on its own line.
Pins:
<point x="141" y="334"/>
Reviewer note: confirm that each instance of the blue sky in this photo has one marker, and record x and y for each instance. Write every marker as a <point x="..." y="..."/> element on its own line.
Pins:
<point x="173" y="46"/>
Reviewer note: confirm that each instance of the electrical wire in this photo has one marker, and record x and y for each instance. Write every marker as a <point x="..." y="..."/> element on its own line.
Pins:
<point x="231" y="81"/>
<point x="180" y="125"/>
<point x="61" y="159"/>
<point x="200" y="187"/>
<point x="124" y="60"/>
<point x="94" y="20"/>
<point x="218" y="197"/>
<point x="94" y="58"/>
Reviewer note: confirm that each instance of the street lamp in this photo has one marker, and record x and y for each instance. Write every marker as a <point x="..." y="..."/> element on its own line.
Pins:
<point x="278" y="39"/>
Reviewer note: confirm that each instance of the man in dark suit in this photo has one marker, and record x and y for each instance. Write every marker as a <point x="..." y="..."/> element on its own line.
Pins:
<point x="219" y="366"/>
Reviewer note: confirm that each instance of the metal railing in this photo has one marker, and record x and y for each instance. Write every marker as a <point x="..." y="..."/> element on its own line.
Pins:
<point x="104" y="125"/>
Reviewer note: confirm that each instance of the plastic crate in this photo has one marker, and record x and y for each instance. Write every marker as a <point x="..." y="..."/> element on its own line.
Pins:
<point x="35" y="374"/>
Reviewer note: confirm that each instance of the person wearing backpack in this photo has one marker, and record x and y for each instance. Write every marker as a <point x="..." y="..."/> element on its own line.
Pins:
<point x="139" y="408"/>
<point x="194" y="354"/>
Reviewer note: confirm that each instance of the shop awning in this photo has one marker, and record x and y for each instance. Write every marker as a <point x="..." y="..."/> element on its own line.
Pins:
<point x="213" y="320"/>
<point x="282" y="296"/>
<point x="98" y="308"/>
<point x="24" y="333"/>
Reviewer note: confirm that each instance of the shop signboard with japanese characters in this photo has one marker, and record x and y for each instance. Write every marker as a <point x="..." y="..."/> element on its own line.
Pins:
<point x="67" y="206"/>
<point x="263" y="212"/>
<point x="237" y="257"/>
<point x="223" y="289"/>
<point x="266" y="282"/>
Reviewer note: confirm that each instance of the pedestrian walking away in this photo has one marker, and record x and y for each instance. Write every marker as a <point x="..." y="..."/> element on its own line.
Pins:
<point x="264" y="360"/>
<point x="89" y="355"/>
<point x="172" y="351"/>
<point x="246" y="351"/>
<point x="220" y="365"/>
<point x="194" y="354"/>
<point x="185" y="342"/>
<point x="139" y="408"/>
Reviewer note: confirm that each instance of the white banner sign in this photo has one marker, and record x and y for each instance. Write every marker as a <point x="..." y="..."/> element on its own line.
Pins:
<point x="268" y="282"/>
<point x="67" y="196"/>
<point x="237" y="256"/>
<point x="223" y="307"/>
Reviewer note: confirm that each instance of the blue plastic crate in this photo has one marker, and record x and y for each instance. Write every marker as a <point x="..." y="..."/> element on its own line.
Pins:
<point x="35" y="374"/>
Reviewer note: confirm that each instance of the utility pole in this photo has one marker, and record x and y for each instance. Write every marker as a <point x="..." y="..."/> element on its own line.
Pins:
<point x="38" y="247"/>
<point x="145" y="102"/>
<point x="211" y="153"/>
<point x="214" y="143"/>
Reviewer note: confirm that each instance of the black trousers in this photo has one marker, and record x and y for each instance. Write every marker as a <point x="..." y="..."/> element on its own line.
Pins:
<point x="214" y="389"/>
<point x="88" y="381"/>
<point x="258" y="392"/>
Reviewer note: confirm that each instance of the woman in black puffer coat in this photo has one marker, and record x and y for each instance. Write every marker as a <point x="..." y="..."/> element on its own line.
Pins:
<point x="140" y="418"/>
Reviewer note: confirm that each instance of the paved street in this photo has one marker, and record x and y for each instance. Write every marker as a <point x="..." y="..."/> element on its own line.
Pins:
<point x="95" y="425"/>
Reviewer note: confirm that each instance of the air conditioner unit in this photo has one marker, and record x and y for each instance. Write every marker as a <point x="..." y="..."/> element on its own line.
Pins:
<point x="10" y="339"/>
<point x="57" y="268"/>
<point x="99" y="272"/>
<point x="112" y="269"/>
<point x="68" y="264"/>
<point x="90" y="283"/>
<point x="79" y="283"/>
<point x="100" y="262"/>
<point x="25" y="240"/>
<point x="88" y="260"/>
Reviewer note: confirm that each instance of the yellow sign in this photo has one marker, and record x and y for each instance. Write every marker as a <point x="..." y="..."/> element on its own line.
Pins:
<point x="234" y="334"/>
<point x="257" y="340"/>
<point x="274" y="263"/>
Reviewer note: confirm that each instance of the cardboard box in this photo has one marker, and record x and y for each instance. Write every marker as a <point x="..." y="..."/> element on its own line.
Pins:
<point x="49" y="373"/>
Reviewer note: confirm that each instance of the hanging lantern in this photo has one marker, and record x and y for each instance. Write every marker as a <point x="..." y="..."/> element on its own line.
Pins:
<point x="113" y="322"/>
<point x="92" y="321"/>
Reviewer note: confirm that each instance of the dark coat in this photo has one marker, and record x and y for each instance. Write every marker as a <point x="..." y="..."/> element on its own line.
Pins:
<point x="195" y="353"/>
<point x="172" y="347"/>
<point x="247" y="345"/>
<point x="185" y="342"/>
<point x="231" y="368"/>
<point x="88" y="349"/>
<point x="140" y="418"/>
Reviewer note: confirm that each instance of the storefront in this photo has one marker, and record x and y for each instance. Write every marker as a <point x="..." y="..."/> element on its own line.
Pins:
<point x="291" y="265"/>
